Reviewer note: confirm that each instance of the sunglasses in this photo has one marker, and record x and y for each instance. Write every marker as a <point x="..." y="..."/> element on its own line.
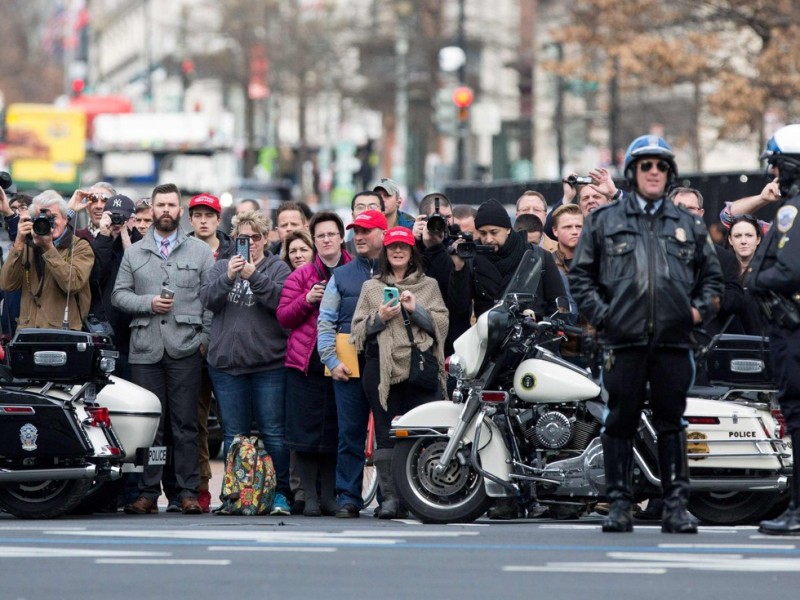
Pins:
<point x="255" y="237"/>
<point x="143" y="202"/>
<point x="646" y="165"/>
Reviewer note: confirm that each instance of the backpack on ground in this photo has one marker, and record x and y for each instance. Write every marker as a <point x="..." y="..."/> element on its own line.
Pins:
<point x="250" y="481"/>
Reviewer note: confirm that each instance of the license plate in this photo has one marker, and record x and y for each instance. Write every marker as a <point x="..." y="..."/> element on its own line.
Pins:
<point x="157" y="455"/>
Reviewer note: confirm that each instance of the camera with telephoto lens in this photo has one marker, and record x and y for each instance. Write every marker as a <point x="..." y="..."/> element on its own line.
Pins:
<point x="575" y="180"/>
<point x="117" y="219"/>
<point x="44" y="224"/>
<point x="5" y="180"/>
<point x="436" y="223"/>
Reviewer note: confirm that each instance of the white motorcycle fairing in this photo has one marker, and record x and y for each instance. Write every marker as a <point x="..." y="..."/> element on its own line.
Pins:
<point x="471" y="345"/>
<point x="440" y="417"/>
<point x="134" y="413"/>
<point x="538" y="380"/>
<point x="727" y="435"/>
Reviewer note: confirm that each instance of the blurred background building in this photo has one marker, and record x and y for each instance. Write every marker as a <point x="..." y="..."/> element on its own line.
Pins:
<point x="320" y="97"/>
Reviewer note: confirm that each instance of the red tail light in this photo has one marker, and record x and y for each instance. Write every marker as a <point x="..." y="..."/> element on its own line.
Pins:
<point x="703" y="420"/>
<point x="447" y="365"/>
<point x="100" y="417"/>
<point x="778" y="416"/>
<point x="494" y="397"/>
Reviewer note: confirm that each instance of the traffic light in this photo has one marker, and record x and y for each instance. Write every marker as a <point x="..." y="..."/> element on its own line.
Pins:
<point x="77" y="87"/>
<point x="462" y="98"/>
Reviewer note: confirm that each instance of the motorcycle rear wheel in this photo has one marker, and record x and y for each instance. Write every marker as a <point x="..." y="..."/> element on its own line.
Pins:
<point x="456" y="496"/>
<point x="43" y="499"/>
<point x="733" y="508"/>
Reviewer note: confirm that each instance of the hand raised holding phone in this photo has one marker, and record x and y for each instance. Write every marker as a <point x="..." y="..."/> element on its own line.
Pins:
<point x="391" y="304"/>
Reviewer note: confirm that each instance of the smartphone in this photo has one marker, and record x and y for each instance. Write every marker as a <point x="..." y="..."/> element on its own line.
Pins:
<point x="243" y="247"/>
<point x="167" y="293"/>
<point x="391" y="295"/>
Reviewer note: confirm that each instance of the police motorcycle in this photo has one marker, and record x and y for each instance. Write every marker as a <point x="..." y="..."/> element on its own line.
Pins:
<point x="66" y="425"/>
<point x="524" y="423"/>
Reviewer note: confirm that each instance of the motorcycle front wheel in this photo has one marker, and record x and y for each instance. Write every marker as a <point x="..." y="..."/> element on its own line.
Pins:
<point x="456" y="496"/>
<point x="43" y="499"/>
<point x="734" y="508"/>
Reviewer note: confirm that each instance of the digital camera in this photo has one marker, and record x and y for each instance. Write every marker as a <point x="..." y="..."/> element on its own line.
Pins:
<point x="117" y="219"/>
<point x="44" y="224"/>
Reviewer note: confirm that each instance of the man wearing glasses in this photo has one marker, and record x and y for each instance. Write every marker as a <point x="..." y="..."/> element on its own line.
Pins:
<point x="93" y="201"/>
<point x="644" y="274"/>
<point x="362" y="201"/>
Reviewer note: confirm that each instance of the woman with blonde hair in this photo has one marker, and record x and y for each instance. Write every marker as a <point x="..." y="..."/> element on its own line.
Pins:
<point x="248" y="346"/>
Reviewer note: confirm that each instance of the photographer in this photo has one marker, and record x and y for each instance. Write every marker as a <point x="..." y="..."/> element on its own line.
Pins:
<point x="50" y="265"/>
<point x="115" y="234"/>
<point x="435" y="233"/>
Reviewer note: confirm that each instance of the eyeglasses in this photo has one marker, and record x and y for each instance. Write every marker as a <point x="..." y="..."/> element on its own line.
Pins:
<point x="255" y="237"/>
<point x="363" y="207"/>
<point x="143" y="202"/>
<point x="326" y="236"/>
<point x="646" y="165"/>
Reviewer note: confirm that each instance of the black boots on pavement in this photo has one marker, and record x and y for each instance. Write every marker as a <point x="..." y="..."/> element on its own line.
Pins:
<point x="618" y="459"/>
<point x="789" y="522"/>
<point x="674" y="471"/>
<point x="391" y="507"/>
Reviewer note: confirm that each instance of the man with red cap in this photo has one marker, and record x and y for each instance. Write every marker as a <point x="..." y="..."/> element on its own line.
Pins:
<point x="335" y="316"/>
<point x="205" y="216"/>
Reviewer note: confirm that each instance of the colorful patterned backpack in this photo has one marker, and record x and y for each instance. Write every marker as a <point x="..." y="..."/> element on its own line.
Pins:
<point x="249" y="486"/>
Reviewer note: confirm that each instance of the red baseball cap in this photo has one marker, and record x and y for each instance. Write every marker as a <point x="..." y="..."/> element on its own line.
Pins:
<point x="208" y="201"/>
<point x="370" y="219"/>
<point x="399" y="235"/>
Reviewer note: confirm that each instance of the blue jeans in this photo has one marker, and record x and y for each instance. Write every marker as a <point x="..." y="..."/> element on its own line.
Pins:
<point x="258" y="397"/>
<point x="352" y="410"/>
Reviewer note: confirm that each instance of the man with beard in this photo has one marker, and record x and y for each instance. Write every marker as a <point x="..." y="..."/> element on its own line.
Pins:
<point x="492" y="272"/>
<point x="158" y="283"/>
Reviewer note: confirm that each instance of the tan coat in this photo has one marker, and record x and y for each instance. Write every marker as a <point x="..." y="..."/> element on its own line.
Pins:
<point x="44" y="307"/>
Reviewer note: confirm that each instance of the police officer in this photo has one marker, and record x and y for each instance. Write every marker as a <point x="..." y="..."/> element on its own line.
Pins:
<point x="775" y="277"/>
<point x="644" y="273"/>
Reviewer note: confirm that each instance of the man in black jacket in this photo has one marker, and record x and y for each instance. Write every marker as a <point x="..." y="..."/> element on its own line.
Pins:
<point x="492" y="272"/>
<point x="435" y="246"/>
<point x="645" y="273"/>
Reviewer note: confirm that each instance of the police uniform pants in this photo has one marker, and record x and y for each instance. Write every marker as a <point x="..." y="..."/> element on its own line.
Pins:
<point x="670" y="372"/>
<point x="785" y="350"/>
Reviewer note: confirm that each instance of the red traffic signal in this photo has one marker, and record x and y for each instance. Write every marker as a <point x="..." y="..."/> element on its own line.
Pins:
<point x="77" y="86"/>
<point x="462" y="96"/>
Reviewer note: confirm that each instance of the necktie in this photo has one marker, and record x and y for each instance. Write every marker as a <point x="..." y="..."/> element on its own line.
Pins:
<point x="165" y="249"/>
<point x="649" y="209"/>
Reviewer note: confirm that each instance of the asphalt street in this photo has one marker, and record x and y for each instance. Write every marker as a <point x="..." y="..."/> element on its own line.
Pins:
<point x="175" y="556"/>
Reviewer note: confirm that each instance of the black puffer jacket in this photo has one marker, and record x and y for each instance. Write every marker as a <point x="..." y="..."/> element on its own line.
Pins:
<point x="637" y="283"/>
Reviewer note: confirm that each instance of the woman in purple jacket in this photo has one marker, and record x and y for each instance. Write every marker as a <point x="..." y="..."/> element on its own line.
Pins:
<point x="311" y="425"/>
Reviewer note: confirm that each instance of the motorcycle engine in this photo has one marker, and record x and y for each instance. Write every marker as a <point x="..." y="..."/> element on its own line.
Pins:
<point x="550" y="429"/>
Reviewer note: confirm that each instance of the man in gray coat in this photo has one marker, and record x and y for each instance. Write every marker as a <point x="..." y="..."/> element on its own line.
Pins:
<point x="158" y="283"/>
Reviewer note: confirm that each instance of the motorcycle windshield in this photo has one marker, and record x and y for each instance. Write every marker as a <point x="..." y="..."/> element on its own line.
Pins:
<point x="525" y="280"/>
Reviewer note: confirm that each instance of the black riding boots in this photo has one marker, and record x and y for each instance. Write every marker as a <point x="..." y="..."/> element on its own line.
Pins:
<point x="618" y="459"/>
<point x="789" y="522"/>
<point x="674" y="468"/>
<point x="391" y="507"/>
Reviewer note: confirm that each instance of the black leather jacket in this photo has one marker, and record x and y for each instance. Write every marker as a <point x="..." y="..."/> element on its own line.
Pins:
<point x="637" y="282"/>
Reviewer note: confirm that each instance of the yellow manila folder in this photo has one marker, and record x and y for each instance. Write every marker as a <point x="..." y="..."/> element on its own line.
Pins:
<point x="346" y="352"/>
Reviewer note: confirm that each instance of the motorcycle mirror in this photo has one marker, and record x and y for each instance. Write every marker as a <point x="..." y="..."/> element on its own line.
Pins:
<point x="562" y="305"/>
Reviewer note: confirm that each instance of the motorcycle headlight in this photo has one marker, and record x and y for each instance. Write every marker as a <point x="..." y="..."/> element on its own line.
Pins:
<point x="454" y="366"/>
<point x="107" y="365"/>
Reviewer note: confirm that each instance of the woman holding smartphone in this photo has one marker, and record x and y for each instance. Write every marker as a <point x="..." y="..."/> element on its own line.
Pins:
<point x="311" y="424"/>
<point x="248" y="346"/>
<point x="401" y="293"/>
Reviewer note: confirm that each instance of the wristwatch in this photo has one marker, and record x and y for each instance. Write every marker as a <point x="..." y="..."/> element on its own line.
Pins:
<point x="617" y="195"/>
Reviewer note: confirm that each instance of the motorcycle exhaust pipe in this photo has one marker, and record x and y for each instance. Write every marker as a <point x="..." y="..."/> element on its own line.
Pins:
<point x="25" y="475"/>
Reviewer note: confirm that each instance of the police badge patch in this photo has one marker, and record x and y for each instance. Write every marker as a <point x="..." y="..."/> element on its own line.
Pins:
<point x="785" y="218"/>
<point x="28" y="434"/>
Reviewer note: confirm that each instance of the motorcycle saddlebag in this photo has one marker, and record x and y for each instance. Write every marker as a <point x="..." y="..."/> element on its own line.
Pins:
<point x="741" y="361"/>
<point x="32" y="425"/>
<point x="57" y="355"/>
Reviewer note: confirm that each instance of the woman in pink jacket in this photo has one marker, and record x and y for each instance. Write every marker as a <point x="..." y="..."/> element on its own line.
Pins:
<point x="311" y="425"/>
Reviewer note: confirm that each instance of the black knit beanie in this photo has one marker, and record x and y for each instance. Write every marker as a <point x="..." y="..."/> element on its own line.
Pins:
<point x="492" y="212"/>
